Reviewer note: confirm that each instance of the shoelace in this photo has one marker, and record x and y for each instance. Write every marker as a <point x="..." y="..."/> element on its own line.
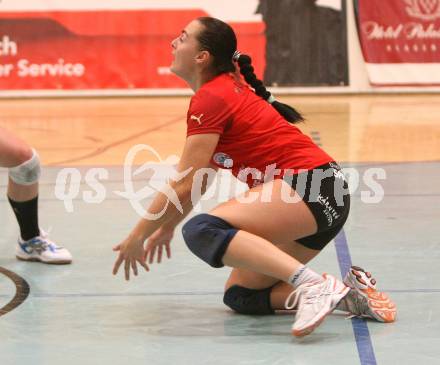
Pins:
<point x="298" y="292"/>
<point x="41" y="242"/>
<point x="36" y="244"/>
<point x="307" y="295"/>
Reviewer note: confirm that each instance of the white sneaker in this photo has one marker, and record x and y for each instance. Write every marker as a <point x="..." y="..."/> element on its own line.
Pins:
<point x="315" y="302"/>
<point x="364" y="300"/>
<point x="42" y="249"/>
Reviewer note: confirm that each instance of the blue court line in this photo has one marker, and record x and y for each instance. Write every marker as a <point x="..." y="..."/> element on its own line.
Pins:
<point x="360" y="328"/>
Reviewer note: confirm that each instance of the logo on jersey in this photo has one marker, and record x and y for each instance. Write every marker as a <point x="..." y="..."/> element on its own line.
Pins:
<point x="224" y="160"/>
<point x="197" y="118"/>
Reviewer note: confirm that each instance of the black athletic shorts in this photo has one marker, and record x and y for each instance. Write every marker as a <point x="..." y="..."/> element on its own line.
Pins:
<point x="325" y="191"/>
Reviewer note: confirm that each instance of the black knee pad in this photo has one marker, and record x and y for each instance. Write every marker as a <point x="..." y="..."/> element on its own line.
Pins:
<point x="248" y="301"/>
<point x="208" y="237"/>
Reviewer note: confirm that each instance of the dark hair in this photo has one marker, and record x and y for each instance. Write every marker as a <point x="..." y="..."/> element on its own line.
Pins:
<point x="218" y="38"/>
<point x="246" y="69"/>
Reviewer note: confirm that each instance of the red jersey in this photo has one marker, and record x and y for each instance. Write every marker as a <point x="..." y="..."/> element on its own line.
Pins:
<point x="256" y="142"/>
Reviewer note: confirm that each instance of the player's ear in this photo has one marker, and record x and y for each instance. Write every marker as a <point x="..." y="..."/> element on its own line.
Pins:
<point x="203" y="57"/>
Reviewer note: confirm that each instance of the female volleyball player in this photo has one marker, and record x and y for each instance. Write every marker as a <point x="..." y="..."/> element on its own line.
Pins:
<point x="298" y="199"/>
<point x="24" y="171"/>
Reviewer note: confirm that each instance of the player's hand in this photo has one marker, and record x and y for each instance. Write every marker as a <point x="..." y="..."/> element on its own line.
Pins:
<point x="131" y="251"/>
<point x="157" y="242"/>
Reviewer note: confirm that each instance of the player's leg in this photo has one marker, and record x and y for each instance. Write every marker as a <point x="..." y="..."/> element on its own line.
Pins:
<point x="249" y="292"/>
<point x="24" y="171"/>
<point x="23" y="164"/>
<point x="241" y="235"/>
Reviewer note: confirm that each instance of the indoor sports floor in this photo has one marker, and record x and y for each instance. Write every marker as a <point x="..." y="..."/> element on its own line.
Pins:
<point x="81" y="314"/>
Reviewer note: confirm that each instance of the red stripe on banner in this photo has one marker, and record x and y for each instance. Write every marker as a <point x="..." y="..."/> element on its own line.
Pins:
<point x="101" y="49"/>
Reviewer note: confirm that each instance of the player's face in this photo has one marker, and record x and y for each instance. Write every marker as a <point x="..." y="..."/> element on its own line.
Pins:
<point x="185" y="50"/>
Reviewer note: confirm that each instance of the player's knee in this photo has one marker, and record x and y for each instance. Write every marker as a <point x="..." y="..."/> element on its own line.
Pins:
<point x="23" y="154"/>
<point x="16" y="154"/>
<point x="27" y="172"/>
<point x="248" y="301"/>
<point x="208" y="237"/>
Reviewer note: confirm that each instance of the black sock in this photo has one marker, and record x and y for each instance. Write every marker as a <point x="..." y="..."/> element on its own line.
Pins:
<point x="27" y="217"/>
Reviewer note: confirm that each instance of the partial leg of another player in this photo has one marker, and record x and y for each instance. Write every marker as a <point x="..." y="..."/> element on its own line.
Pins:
<point x="23" y="164"/>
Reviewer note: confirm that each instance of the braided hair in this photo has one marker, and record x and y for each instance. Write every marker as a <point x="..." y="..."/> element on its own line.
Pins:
<point x="247" y="70"/>
<point x="218" y="38"/>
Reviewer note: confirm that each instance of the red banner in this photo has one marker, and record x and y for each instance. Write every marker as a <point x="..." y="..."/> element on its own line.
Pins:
<point x="101" y="49"/>
<point x="400" y="41"/>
